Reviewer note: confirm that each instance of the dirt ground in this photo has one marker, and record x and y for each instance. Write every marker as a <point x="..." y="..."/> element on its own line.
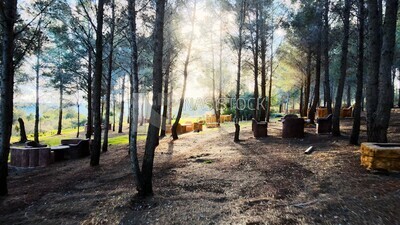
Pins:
<point x="206" y="178"/>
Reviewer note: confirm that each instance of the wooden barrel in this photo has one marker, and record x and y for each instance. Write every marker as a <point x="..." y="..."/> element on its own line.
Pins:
<point x="33" y="157"/>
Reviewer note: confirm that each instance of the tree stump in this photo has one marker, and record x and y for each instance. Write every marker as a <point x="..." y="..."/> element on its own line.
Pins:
<point x="22" y="131"/>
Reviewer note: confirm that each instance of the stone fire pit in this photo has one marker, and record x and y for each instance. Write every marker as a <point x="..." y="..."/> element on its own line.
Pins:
<point x="377" y="156"/>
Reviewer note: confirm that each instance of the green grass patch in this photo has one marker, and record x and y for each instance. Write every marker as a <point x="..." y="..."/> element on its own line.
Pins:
<point x="123" y="139"/>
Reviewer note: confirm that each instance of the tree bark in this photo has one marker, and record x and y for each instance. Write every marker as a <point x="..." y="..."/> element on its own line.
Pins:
<point x="96" y="143"/>
<point x="374" y="50"/>
<point x="343" y="69"/>
<point x="78" y="122"/>
<point x="185" y="75"/>
<point x="8" y="18"/>
<point x="355" y="132"/>
<point x="327" y="88"/>
<point x="152" y="140"/>
<point x="109" y="79"/>
<point x="121" y="115"/>
<point x="348" y="101"/>
<point x="382" y="115"/>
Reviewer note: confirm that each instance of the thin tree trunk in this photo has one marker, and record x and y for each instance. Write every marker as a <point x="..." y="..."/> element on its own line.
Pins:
<point x="113" y="126"/>
<point x="239" y="67"/>
<point x="307" y="84"/>
<point x="60" y="110"/>
<point x="170" y="102"/>
<point x="142" y="110"/>
<point x="355" y="132"/>
<point x="38" y="55"/>
<point x="255" y="58"/>
<point x="213" y="82"/>
<point x="220" y="68"/>
<point x="185" y="75"/>
<point x="315" y="101"/>
<point x="301" y="99"/>
<point x="109" y="79"/>
<point x="96" y="143"/>
<point x="89" y="126"/>
<point x="271" y="72"/>
<point x="78" y="122"/>
<point x="165" y="98"/>
<point x="343" y="69"/>
<point x="121" y="115"/>
<point x="263" y="111"/>
<point x="327" y="88"/>
<point x="8" y="18"/>
<point x="348" y="101"/>
<point x="152" y="140"/>
<point x="134" y="104"/>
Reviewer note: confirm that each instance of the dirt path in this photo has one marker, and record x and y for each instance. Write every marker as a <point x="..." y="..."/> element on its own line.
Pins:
<point x="207" y="179"/>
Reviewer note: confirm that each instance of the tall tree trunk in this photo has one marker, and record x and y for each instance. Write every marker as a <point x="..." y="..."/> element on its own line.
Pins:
<point x="393" y="90"/>
<point x="170" y="102"/>
<point x="142" y="110"/>
<point x="343" y="69"/>
<point x="255" y="58"/>
<point x="98" y="74"/>
<point x="152" y="140"/>
<point x="355" y="132"/>
<point x="242" y="17"/>
<point x="8" y="18"/>
<point x="263" y="110"/>
<point x="307" y="84"/>
<point x="113" y="126"/>
<point x="315" y="101"/>
<point x="213" y="83"/>
<point x="348" y="101"/>
<point x="382" y="114"/>
<point x="109" y="79"/>
<point x="327" y="88"/>
<point x="301" y="99"/>
<point x="374" y="49"/>
<point x="89" y="126"/>
<point x="165" y="98"/>
<point x="271" y="72"/>
<point x="60" y="109"/>
<point x="220" y="67"/>
<point x="185" y="75"/>
<point x="134" y="104"/>
<point x="38" y="55"/>
<point x="78" y="122"/>
<point x="121" y="115"/>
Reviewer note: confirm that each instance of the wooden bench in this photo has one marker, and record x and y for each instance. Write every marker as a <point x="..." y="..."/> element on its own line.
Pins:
<point x="78" y="148"/>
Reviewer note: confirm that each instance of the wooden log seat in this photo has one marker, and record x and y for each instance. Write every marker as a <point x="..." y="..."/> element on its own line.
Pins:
<point x="386" y="157"/>
<point x="78" y="148"/>
<point x="346" y="112"/>
<point x="260" y="129"/>
<point x="322" y="112"/>
<point x="197" y="127"/>
<point x="30" y="157"/>
<point x="189" y="127"/>
<point x="324" y="125"/>
<point x="292" y="127"/>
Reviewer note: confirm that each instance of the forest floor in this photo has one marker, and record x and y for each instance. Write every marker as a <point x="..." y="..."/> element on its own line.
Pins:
<point x="206" y="178"/>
